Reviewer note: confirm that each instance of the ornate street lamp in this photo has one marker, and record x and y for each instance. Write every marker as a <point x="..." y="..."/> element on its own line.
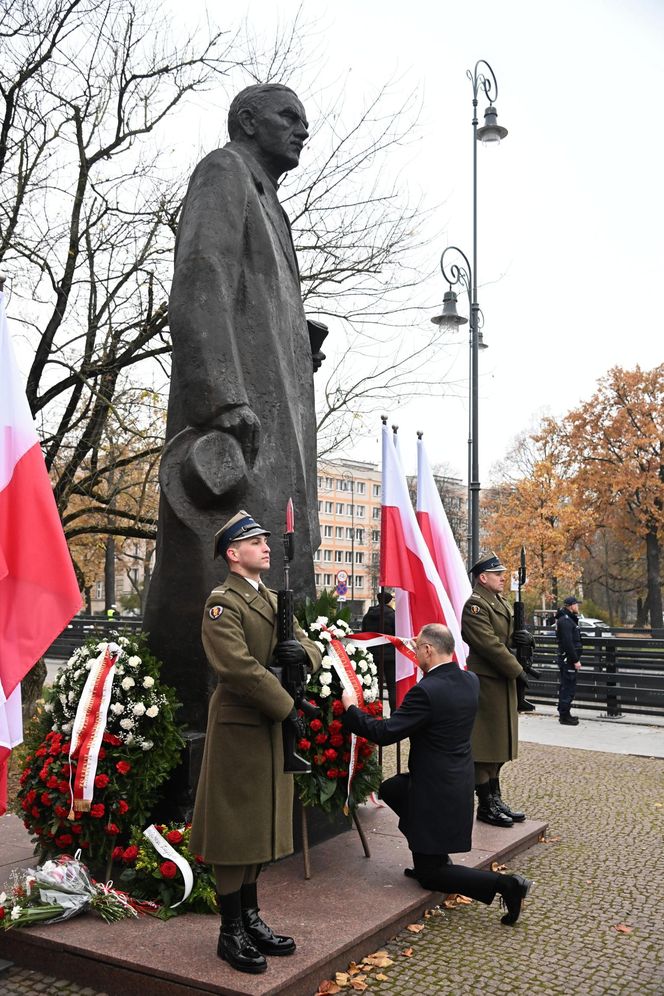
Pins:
<point x="482" y="78"/>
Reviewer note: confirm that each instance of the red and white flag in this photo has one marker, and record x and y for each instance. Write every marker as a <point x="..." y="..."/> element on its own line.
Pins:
<point x="406" y="565"/>
<point x="439" y="537"/>
<point x="38" y="588"/>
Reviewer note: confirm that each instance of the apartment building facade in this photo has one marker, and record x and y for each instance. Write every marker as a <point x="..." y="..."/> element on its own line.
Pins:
<point x="349" y="494"/>
<point x="349" y="502"/>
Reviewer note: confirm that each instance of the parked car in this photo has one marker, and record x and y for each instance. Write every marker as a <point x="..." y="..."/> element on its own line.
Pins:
<point x="587" y="623"/>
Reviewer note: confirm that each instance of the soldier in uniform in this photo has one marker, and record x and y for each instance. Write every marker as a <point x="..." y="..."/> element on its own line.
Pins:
<point x="244" y="801"/>
<point x="487" y="626"/>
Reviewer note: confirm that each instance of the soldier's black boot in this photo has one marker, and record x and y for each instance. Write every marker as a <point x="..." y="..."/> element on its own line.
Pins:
<point x="515" y="816"/>
<point x="522" y="703"/>
<point x="513" y="890"/>
<point x="487" y="811"/>
<point x="234" y="945"/>
<point x="258" y="932"/>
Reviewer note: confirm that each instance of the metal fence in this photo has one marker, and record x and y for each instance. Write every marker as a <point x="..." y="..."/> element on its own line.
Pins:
<point x="82" y="628"/>
<point x="619" y="674"/>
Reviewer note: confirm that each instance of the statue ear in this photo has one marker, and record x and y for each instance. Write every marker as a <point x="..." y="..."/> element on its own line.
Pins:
<point x="246" y="120"/>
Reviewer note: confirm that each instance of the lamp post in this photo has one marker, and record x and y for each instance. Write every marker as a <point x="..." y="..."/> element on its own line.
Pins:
<point x="482" y="78"/>
<point x="349" y="478"/>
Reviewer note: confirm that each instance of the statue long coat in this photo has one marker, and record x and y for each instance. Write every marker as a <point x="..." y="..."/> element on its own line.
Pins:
<point x="244" y="801"/>
<point x="487" y="624"/>
<point x="240" y="338"/>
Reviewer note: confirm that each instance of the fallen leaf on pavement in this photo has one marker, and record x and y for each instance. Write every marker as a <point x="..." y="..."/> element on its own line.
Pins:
<point x="358" y="985"/>
<point x="497" y="867"/>
<point x="454" y="900"/>
<point x="548" y="840"/>
<point x="353" y="968"/>
<point x="381" y="977"/>
<point x="342" y="978"/>
<point x="415" y="928"/>
<point x="327" y="988"/>
<point x="379" y="959"/>
<point x="407" y="952"/>
<point x="622" y="928"/>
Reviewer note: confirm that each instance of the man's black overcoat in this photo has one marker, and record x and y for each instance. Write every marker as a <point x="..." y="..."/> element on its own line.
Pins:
<point x="437" y="715"/>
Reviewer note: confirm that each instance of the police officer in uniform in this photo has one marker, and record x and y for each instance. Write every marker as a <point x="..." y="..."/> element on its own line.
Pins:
<point x="244" y="800"/>
<point x="487" y="626"/>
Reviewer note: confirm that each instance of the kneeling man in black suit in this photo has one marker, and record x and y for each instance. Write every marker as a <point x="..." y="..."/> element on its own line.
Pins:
<point x="434" y="801"/>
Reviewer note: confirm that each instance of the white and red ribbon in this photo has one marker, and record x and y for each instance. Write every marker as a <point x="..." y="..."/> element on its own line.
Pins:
<point x="400" y="643"/>
<point x="349" y="681"/>
<point x="89" y="727"/>
<point x="162" y="847"/>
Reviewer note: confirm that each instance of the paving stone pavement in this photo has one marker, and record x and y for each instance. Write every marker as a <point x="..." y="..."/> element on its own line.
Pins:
<point x="603" y="866"/>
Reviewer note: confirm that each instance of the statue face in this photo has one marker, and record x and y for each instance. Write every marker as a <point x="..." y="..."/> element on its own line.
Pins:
<point x="280" y="129"/>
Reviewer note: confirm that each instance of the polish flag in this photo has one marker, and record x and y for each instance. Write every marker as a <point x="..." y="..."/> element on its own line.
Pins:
<point x="439" y="537"/>
<point x="38" y="588"/>
<point x="406" y="565"/>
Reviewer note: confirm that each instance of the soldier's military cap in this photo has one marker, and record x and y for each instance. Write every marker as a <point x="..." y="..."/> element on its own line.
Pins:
<point x="489" y="563"/>
<point x="241" y="527"/>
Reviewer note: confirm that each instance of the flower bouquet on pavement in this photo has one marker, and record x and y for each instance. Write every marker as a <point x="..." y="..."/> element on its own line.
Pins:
<point x="153" y="879"/>
<point x="56" y="891"/>
<point x="327" y="746"/>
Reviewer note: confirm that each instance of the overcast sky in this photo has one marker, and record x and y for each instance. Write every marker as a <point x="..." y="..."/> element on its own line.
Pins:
<point x="570" y="260"/>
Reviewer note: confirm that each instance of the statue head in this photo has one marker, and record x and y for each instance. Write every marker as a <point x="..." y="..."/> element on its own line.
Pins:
<point x="271" y="120"/>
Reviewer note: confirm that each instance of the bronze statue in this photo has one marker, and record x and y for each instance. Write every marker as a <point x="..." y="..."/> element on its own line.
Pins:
<point x="241" y="417"/>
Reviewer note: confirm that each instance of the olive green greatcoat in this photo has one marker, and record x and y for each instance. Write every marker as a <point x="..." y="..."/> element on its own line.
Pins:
<point x="487" y="624"/>
<point x="244" y="802"/>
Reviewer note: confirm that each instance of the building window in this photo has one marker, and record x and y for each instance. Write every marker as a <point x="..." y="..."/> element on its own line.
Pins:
<point x="375" y="558"/>
<point x="349" y="509"/>
<point x="375" y="490"/>
<point x="359" y="581"/>
<point x="375" y="513"/>
<point x="327" y="530"/>
<point x="340" y="508"/>
<point x="375" y="536"/>
<point x="359" y="557"/>
<point x="329" y="483"/>
<point x="338" y="556"/>
<point x="360" y="487"/>
<point x="320" y="482"/>
<point x="339" y="532"/>
<point x="327" y="580"/>
<point x="360" y="510"/>
<point x="349" y="534"/>
<point x="99" y="589"/>
<point x="317" y="556"/>
<point x="349" y="556"/>
<point x="359" y="535"/>
<point x="320" y="506"/>
<point x="328" y="507"/>
<point x="317" y="580"/>
<point x="327" y="555"/>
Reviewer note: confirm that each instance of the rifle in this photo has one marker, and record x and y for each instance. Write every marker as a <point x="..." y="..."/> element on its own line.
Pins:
<point x="288" y="665"/>
<point x="524" y="642"/>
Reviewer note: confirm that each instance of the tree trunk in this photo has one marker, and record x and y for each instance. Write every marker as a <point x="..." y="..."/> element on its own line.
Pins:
<point x="641" y="612"/>
<point x="109" y="573"/>
<point x="654" y="579"/>
<point x="31" y="689"/>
